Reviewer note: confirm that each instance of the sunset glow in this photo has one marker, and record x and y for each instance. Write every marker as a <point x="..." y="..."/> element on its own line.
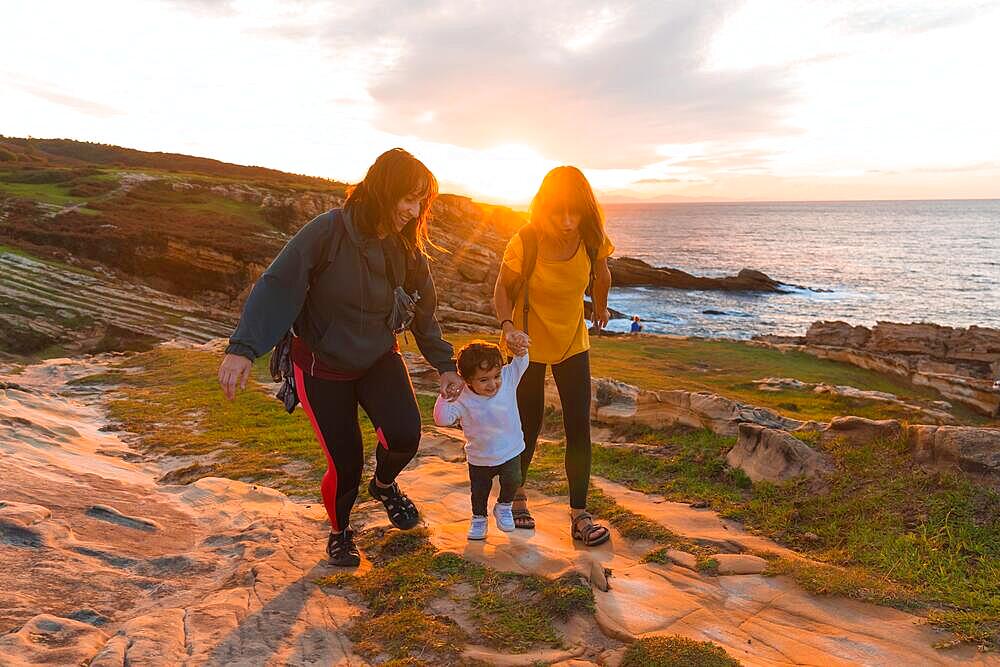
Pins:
<point x="743" y="101"/>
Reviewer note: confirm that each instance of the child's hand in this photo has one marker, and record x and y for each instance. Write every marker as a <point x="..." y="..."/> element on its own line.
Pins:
<point x="458" y="392"/>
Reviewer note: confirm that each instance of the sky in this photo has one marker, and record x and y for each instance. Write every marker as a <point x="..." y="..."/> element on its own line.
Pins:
<point x="666" y="100"/>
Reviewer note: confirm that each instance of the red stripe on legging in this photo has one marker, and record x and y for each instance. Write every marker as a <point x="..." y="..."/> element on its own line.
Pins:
<point x="381" y="438"/>
<point x="328" y="487"/>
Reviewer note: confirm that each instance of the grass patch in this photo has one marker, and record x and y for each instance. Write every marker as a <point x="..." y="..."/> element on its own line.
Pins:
<point x="676" y="651"/>
<point x="176" y="407"/>
<point x="111" y="377"/>
<point x="508" y="611"/>
<point x="47" y="193"/>
<point x="851" y="582"/>
<point x="228" y="207"/>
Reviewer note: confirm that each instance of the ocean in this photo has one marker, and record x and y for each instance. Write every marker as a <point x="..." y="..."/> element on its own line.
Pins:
<point x="901" y="261"/>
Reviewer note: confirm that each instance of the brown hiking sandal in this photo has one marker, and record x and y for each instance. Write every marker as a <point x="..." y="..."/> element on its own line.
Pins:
<point x="522" y="517"/>
<point x="588" y="532"/>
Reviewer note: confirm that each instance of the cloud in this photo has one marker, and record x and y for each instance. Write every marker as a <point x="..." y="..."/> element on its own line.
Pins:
<point x="657" y="181"/>
<point x="49" y="94"/>
<point x="204" y="7"/>
<point x="904" y="16"/>
<point x="579" y="82"/>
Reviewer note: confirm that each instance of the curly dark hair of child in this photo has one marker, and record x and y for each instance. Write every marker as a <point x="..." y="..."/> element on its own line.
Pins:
<point x="478" y="356"/>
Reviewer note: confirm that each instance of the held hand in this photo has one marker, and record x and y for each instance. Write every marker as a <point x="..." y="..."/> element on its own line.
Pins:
<point x="517" y="341"/>
<point x="451" y="385"/>
<point x="601" y="317"/>
<point x="233" y="373"/>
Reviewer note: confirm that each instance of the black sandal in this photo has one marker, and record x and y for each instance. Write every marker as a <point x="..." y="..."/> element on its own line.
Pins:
<point x="522" y="517"/>
<point x="341" y="550"/>
<point x="400" y="509"/>
<point x="590" y="533"/>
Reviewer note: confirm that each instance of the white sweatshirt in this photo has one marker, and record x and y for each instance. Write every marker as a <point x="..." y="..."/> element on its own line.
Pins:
<point x="491" y="424"/>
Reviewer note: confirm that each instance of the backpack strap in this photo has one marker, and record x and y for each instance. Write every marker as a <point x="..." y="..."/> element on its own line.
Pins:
<point x="592" y="256"/>
<point x="330" y="247"/>
<point x="529" y="257"/>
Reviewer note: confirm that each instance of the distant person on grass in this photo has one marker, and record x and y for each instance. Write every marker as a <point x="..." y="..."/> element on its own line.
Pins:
<point x="487" y="410"/>
<point x="347" y="282"/>
<point x="547" y="268"/>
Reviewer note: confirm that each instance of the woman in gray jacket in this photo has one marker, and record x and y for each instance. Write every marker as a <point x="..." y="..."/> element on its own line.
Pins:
<point x="339" y="281"/>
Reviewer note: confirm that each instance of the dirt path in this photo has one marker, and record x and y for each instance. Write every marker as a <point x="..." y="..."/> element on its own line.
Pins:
<point x="125" y="571"/>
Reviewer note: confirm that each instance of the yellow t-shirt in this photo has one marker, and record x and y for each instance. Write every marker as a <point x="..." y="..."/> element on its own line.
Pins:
<point x="555" y="315"/>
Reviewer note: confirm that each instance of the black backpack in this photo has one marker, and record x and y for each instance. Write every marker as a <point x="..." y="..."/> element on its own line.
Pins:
<point x="529" y="241"/>
<point x="281" y="358"/>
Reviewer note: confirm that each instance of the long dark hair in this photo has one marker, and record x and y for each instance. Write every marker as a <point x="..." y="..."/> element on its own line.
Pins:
<point x="393" y="175"/>
<point x="566" y="189"/>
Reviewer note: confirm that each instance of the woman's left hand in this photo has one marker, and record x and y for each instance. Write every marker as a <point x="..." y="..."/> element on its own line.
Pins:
<point x="451" y="385"/>
<point x="601" y="317"/>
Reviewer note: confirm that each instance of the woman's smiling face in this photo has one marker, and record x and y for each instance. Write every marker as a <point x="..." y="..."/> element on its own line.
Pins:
<point x="408" y="208"/>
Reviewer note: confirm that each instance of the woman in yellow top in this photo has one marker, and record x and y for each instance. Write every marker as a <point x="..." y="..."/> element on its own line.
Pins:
<point x="546" y="270"/>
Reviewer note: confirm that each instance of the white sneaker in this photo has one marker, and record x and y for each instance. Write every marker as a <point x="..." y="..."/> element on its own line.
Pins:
<point x="478" y="527"/>
<point x="504" y="516"/>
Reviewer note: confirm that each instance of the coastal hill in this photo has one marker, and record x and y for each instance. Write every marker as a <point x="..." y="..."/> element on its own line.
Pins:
<point x="203" y="230"/>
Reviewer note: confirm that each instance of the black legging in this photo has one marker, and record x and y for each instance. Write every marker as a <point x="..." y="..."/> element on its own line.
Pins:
<point x="572" y="378"/>
<point x="386" y="394"/>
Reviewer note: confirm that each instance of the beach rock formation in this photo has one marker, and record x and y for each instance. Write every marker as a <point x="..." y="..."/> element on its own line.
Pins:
<point x="627" y="271"/>
<point x="619" y="402"/>
<point x="774" y="456"/>
<point x="973" y="450"/>
<point x="961" y="364"/>
<point x="936" y="413"/>
<point x="860" y="431"/>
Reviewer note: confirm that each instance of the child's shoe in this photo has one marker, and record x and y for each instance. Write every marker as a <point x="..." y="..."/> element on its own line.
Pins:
<point x="477" y="528"/>
<point x="504" y="516"/>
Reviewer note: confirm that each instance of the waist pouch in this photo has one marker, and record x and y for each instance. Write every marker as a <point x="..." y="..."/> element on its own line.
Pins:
<point x="404" y="307"/>
<point x="282" y="371"/>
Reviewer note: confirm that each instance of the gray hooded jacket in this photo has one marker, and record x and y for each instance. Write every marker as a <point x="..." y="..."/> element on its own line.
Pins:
<point x="340" y="312"/>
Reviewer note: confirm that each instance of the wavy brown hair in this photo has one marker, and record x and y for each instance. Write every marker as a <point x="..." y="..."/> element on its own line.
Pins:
<point x="393" y="175"/>
<point x="566" y="189"/>
<point x="478" y="356"/>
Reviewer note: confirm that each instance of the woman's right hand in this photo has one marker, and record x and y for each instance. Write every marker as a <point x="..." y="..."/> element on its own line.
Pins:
<point x="234" y="372"/>
<point x="518" y="341"/>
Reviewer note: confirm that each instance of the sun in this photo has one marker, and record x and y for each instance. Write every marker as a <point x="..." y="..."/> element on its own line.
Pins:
<point x="508" y="174"/>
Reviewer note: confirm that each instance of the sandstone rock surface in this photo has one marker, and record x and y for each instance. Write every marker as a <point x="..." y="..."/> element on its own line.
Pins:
<point x="861" y="431"/>
<point x="974" y="450"/>
<point x="740" y="564"/>
<point x="774" y="456"/>
<point x="226" y="573"/>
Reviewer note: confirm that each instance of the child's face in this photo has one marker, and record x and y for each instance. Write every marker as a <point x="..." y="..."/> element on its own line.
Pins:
<point x="485" y="383"/>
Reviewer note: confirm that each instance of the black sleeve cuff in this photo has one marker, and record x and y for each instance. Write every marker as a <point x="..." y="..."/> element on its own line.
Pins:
<point x="242" y="350"/>
<point x="447" y="367"/>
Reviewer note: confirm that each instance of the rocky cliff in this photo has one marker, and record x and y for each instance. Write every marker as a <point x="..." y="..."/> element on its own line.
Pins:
<point x="961" y="364"/>
<point x="627" y="271"/>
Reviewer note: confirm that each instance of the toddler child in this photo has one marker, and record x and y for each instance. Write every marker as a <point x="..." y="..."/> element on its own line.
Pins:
<point x="487" y="408"/>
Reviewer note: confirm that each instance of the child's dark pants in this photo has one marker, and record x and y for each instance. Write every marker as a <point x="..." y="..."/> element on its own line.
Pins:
<point x="481" y="481"/>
